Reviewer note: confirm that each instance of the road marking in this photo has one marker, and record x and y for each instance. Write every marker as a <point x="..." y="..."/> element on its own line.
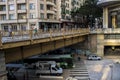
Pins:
<point x="79" y="75"/>
<point x="79" y="72"/>
<point x="82" y="78"/>
<point x="60" y="77"/>
<point x="80" y="69"/>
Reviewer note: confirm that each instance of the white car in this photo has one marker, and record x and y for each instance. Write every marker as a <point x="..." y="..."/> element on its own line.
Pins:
<point x="94" y="57"/>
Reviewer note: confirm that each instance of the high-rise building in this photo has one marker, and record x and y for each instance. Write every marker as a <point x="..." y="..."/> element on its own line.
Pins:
<point x="29" y="14"/>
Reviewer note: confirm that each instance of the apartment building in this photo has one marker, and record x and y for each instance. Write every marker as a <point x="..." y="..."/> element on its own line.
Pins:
<point x="66" y="7"/>
<point x="77" y="4"/>
<point x="30" y="14"/>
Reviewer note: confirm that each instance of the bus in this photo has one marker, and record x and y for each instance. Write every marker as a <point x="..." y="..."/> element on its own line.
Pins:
<point x="64" y="61"/>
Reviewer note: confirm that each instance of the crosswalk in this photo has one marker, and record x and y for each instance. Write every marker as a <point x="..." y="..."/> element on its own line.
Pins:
<point x="80" y="71"/>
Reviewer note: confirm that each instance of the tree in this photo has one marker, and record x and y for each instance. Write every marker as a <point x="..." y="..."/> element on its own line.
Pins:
<point x="90" y="10"/>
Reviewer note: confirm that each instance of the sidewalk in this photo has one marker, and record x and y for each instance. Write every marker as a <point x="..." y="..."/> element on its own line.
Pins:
<point x="116" y="71"/>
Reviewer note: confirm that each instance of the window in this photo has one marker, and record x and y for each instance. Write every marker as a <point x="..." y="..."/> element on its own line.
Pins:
<point x="118" y="20"/>
<point x="41" y="7"/>
<point x="42" y="15"/>
<point x="11" y="7"/>
<point x="5" y="28"/>
<point x="21" y="16"/>
<point x="14" y="27"/>
<point x="3" y="17"/>
<point x="23" y="27"/>
<point x="11" y="16"/>
<point x="2" y="0"/>
<point x="32" y="6"/>
<point x="32" y="15"/>
<point x="2" y="8"/>
<point x="21" y="7"/>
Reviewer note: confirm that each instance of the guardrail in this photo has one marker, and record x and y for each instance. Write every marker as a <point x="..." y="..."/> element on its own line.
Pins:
<point x="105" y="30"/>
<point x="37" y="34"/>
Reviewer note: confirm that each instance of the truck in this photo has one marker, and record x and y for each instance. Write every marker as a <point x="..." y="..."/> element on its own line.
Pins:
<point x="47" y="68"/>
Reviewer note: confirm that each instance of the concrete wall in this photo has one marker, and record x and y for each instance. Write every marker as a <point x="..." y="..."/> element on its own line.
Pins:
<point x="92" y="43"/>
<point x="2" y="66"/>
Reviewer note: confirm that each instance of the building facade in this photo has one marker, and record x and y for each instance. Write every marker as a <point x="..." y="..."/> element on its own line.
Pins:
<point x="28" y="14"/>
<point x="108" y="38"/>
<point x="40" y="14"/>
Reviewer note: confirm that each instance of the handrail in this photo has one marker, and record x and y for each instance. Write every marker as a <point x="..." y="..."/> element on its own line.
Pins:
<point x="37" y="34"/>
<point x="105" y="30"/>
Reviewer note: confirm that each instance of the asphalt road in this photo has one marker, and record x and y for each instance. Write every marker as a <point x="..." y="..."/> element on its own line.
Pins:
<point x="105" y="69"/>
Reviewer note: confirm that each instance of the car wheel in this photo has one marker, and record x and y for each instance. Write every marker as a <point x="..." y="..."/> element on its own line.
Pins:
<point x="99" y="59"/>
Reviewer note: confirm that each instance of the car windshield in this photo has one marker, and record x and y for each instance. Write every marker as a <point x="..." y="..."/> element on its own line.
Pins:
<point x="57" y="67"/>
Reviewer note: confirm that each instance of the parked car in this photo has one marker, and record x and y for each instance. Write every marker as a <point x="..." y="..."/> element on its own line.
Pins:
<point x="94" y="57"/>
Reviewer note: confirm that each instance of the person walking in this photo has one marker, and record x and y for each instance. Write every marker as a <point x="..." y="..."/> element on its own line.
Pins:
<point x="35" y="32"/>
<point x="10" y="32"/>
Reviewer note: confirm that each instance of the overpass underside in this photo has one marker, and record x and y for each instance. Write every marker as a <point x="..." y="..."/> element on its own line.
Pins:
<point x="17" y="53"/>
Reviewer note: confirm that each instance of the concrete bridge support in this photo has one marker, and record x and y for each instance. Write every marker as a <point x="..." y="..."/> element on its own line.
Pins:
<point x="3" y="72"/>
<point x="100" y="44"/>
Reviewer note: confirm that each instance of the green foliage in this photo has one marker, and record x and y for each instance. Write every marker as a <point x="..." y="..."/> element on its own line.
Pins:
<point x="89" y="8"/>
<point x="87" y="13"/>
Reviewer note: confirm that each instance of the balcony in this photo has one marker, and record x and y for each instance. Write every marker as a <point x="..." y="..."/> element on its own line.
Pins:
<point x="22" y="20"/>
<point x="2" y="12"/>
<point x="8" y="21"/>
<point x="21" y="1"/>
<point x="107" y="2"/>
<point x="50" y="3"/>
<point x="22" y="11"/>
<point x="2" y="3"/>
<point x="50" y="12"/>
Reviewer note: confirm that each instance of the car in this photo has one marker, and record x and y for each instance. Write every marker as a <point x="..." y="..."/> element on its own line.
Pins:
<point x="94" y="57"/>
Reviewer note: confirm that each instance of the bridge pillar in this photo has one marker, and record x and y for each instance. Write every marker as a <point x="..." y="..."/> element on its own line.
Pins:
<point x="100" y="44"/>
<point x="3" y="72"/>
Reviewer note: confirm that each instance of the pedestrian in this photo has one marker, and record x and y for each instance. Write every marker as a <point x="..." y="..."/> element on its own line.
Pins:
<point x="78" y="58"/>
<point x="10" y="32"/>
<point x="35" y="32"/>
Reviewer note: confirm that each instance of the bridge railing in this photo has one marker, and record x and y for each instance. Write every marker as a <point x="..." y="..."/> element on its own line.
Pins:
<point x="105" y="31"/>
<point x="37" y="34"/>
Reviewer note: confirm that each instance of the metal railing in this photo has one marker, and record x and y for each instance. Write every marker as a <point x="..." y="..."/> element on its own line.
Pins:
<point x="32" y="34"/>
<point x="105" y="30"/>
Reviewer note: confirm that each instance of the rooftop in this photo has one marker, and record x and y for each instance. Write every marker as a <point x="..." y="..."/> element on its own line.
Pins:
<point x="107" y="2"/>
